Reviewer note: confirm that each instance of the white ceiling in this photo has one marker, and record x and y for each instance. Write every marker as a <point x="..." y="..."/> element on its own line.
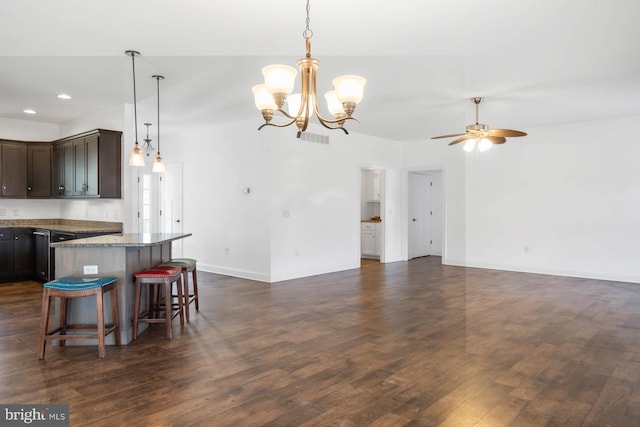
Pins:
<point x="536" y="62"/>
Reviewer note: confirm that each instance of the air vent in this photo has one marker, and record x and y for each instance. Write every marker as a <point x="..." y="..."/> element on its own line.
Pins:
<point x="314" y="137"/>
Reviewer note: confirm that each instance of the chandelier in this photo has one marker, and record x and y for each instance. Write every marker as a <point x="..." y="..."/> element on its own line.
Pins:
<point x="270" y="97"/>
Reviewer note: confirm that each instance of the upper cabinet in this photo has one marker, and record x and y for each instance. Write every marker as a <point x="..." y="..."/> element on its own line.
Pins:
<point x="39" y="170"/>
<point x="84" y="165"/>
<point x="88" y="165"/>
<point x="373" y="186"/>
<point x="13" y="169"/>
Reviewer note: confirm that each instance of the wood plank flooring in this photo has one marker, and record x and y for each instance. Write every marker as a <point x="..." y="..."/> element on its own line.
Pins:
<point x="402" y="344"/>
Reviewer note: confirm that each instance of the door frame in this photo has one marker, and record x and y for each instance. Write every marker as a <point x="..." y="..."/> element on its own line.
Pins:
<point x="383" y="226"/>
<point x="407" y="201"/>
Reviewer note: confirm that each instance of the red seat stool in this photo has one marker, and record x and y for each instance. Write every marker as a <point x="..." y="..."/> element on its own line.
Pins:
<point x="188" y="265"/>
<point x="156" y="277"/>
<point x="67" y="288"/>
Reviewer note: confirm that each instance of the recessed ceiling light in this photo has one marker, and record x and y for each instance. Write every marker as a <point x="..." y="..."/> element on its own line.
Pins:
<point x="29" y="111"/>
<point x="64" y="96"/>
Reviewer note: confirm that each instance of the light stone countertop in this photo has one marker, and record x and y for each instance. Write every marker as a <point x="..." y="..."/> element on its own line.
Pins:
<point x="122" y="240"/>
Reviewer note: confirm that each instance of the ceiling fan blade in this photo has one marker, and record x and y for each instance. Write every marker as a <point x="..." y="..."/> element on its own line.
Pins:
<point x="448" y="136"/>
<point x="496" y="139"/>
<point x="464" y="138"/>
<point x="506" y="132"/>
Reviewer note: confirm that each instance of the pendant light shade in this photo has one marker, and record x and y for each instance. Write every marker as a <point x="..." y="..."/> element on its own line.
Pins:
<point x="137" y="157"/>
<point x="158" y="163"/>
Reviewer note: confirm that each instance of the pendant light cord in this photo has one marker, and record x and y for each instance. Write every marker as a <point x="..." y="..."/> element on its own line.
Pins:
<point x="158" y="90"/>
<point x="158" y="77"/>
<point x="133" y="54"/>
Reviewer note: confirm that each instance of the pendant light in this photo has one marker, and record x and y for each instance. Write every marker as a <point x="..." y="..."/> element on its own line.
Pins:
<point x="147" y="148"/>
<point x="136" y="158"/>
<point x="158" y="163"/>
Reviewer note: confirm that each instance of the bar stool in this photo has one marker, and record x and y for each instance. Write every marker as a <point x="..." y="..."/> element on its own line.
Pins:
<point x="188" y="265"/>
<point x="156" y="277"/>
<point x="79" y="287"/>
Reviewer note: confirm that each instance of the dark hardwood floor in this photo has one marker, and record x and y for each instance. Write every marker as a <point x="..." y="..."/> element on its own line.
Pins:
<point x="408" y="343"/>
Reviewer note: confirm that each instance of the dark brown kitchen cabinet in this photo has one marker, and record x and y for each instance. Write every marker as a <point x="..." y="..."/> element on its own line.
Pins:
<point x="13" y="169"/>
<point x="17" y="253"/>
<point x="39" y="170"/>
<point x="23" y="253"/>
<point x="89" y="165"/>
<point x="6" y="253"/>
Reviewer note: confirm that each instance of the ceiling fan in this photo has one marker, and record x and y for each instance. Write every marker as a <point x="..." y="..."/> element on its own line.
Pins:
<point x="479" y="134"/>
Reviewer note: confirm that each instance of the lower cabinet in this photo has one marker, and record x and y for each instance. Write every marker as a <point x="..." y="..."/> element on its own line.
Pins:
<point x="17" y="253"/>
<point x="370" y="239"/>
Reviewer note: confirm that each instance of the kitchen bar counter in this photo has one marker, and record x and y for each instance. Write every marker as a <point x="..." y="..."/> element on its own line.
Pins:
<point x="119" y="256"/>
<point x="64" y="225"/>
<point x="128" y="240"/>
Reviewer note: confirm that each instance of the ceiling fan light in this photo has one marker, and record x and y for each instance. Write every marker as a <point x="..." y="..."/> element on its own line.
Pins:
<point x="469" y="145"/>
<point x="484" y="144"/>
<point x="279" y="78"/>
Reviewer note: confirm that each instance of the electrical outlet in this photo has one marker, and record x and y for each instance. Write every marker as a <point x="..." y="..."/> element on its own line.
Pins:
<point x="90" y="269"/>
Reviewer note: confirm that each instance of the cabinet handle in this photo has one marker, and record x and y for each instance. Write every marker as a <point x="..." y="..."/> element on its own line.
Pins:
<point x="28" y="188"/>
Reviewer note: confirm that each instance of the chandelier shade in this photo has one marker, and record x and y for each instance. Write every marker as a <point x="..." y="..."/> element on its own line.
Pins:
<point x="279" y="81"/>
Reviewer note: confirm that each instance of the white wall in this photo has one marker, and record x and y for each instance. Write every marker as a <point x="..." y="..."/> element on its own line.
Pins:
<point x="315" y="203"/>
<point x="563" y="200"/>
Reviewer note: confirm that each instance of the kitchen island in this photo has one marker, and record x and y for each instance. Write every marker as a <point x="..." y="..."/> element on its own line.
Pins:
<point x="116" y="255"/>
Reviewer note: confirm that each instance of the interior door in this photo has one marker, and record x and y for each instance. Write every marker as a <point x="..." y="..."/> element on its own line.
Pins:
<point x="171" y="203"/>
<point x="419" y="222"/>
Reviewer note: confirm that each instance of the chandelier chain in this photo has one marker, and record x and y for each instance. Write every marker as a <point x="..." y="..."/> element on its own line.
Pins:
<point x="307" y="33"/>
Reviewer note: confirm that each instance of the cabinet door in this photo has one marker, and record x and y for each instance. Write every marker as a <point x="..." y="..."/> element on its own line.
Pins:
<point x="23" y="253"/>
<point x="42" y="256"/>
<point x="39" y="170"/>
<point x="368" y="243"/>
<point x="68" y="161"/>
<point x="14" y="170"/>
<point x="80" y="167"/>
<point x="91" y="166"/>
<point x="58" y="171"/>
<point x="6" y="253"/>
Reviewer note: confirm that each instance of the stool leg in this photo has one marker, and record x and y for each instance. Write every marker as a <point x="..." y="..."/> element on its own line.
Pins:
<point x="194" y="276"/>
<point x="180" y="299"/>
<point x="136" y="309"/>
<point x="100" y="322"/>
<point x="114" y="313"/>
<point x="185" y="291"/>
<point x="167" y="306"/>
<point x="44" y="323"/>
<point x="63" y="320"/>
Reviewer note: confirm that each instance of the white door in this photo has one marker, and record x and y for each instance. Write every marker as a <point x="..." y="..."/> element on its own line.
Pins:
<point x="425" y="214"/>
<point x="171" y="212"/>
<point x="418" y="216"/>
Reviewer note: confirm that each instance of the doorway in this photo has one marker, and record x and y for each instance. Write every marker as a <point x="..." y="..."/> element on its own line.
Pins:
<point x="425" y="221"/>
<point x="372" y="183"/>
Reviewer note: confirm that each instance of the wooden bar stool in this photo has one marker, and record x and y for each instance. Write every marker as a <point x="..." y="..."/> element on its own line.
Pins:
<point x="188" y="265"/>
<point x="156" y="277"/>
<point x="79" y="287"/>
